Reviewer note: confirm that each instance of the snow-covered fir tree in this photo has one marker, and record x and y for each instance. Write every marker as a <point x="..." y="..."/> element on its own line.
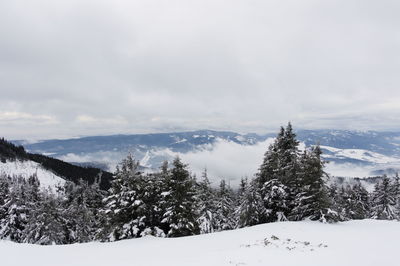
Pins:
<point x="4" y="198"/>
<point x="124" y="205"/>
<point x="311" y="198"/>
<point x="48" y="223"/>
<point x="356" y="202"/>
<point x="384" y="201"/>
<point x="17" y="208"/>
<point x="281" y="159"/>
<point x="250" y="209"/>
<point x="81" y="208"/>
<point x="291" y="184"/>
<point x="207" y="207"/>
<point x="152" y="209"/>
<point x="396" y="193"/>
<point x="178" y="201"/>
<point x="224" y="216"/>
<point x="276" y="201"/>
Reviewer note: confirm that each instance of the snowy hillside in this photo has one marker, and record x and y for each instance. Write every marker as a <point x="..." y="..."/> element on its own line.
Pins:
<point x="365" y="242"/>
<point x="360" y="155"/>
<point x="28" y="168"/>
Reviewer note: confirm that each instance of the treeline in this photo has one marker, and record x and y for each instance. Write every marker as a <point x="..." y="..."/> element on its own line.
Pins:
<point x="11" y="152"/>
<point x="289" y="186"/>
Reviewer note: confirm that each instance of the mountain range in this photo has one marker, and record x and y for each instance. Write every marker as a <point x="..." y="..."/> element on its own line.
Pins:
<point x="378" y="151"/>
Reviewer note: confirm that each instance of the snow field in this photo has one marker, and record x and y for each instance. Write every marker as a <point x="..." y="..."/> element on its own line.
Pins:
<point x="365" y="242"/>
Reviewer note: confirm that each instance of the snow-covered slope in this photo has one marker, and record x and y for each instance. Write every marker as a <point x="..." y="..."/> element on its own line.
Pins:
<point x="367" y="242"/>
<point x="27" y="168"/>
<point x="361" y="155"/>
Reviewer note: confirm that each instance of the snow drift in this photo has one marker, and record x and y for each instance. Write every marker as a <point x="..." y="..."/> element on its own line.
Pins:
<point x="365" y="242"/>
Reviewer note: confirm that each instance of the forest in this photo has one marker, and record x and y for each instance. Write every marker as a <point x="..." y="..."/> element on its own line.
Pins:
<point x="290" y="185"/>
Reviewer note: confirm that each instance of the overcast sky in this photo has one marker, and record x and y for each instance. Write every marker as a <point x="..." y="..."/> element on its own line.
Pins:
<point x="71" y="68"/>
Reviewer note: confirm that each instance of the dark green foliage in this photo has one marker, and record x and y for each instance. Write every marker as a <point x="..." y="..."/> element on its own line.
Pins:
<point x="82" y="205"/>
<point x="48" y="223"/>
<point x="179" y="202"/>
<point x="384" y="200"/>
<point x="250" y="209"/>
<point x="206" y="205"/>
<point x="275" y="197"/>
<point x="225" y="208"/>
<point x="124" y="204"/>
<point x="9" y="151"/>
<point x="17" y="208"/>
<point x="311" y="196"/>
<point x="351" y="202"/>
<point x="291" y="184"/>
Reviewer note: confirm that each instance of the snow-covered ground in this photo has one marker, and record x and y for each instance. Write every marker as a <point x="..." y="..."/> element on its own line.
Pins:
<point x="28" y="168"/>
<point x="367" y="242"/>
<point x="359" y="154"/>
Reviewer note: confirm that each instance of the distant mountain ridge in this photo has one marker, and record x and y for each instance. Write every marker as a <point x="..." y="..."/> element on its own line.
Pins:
<point x="177" y="141"/>
<point x="361" y="148"/>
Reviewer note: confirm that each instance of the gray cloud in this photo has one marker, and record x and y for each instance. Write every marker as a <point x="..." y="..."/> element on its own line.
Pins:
<point x="102" y="67"/>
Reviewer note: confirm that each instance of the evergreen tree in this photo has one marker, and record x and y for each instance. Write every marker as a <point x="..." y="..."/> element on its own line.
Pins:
<point x="124" y="205"/>
<point x="288" y="150"/>
<point x="396" y="193"/>
<point x="276" y="200"/>
<point x="48" y="223"/>
<point x="311" y="197"/>
<point x="17" y="211"/>
<point x="4" y="198"/>
<point x="384" y="201"/>
<point x="224" y="215"/>
<point x="206" y="200"/>
<point x="359" y="207"/>
<point x="281" y="159"/>
<point x="179" y="202"/>
<point x="81" y="208"/>
<point x="268" y="169"/>
<point x="250" y="209"/>
<point x="152" y="209"/>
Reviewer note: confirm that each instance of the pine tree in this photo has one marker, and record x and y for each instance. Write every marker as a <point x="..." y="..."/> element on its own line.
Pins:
<point x="281" y="159"/>
<point x="276" y="200"/>
<point x="17" y="209"/>
<point x="268" y="169"/>
<point x="124" y="205"/>
<point x="384" y="200"/>
<point x="47" y="224"/>
<point x="4" y="198"/>
<point x="81" y="208"/>
<point x="311" y="197"/>
<point x="288" y="150"/>
<point x="224" y="215"/>
<point x="250" y="210"/>
<point x="152" y="209"/>
<point x="206" y="201"/>
<point x="272" y="192"/>
<point x="360" y="202"/>
<point x="396" y="193"/>
<point x="179" y="202"/>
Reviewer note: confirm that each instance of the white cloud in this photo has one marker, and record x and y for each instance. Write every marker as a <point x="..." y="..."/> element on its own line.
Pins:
<point x="224" y="160"/>
<point x="233" y="65"/>
<point x="91" y="120"/>
<point x="22" y="117"/>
